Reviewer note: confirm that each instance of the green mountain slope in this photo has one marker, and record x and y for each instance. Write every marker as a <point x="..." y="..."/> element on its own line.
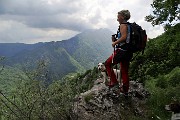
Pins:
<point x="58" y="62"/>
<point x="9" y="77"/>
<point x="11" y="49"/>
<point x="96" y="46"/>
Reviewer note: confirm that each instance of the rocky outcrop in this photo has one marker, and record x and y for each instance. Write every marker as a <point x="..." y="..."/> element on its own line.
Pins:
<point x="102" y="103"/>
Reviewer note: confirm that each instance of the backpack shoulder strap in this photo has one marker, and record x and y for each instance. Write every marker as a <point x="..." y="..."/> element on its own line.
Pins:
<point x="126" y="23"/>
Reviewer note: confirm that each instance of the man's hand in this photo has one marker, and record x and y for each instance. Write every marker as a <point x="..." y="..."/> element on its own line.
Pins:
<point x="113" y="44"/>
<point x="113" y="38"/>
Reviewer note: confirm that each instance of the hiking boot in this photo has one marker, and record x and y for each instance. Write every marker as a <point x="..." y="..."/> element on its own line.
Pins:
<point x="122" y="92"/>
<point x="112" y="92"/>
<point x="112" y="85"/>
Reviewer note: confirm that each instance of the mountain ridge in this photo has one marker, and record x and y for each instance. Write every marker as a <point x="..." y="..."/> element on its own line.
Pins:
<point x="76" y="54"/>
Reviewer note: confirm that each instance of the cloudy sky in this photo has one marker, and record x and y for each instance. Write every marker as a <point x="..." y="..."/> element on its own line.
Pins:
<point x="32" y="21"/>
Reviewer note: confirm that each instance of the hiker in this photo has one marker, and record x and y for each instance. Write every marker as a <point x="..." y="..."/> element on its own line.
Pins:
<point x="121" y="54"/>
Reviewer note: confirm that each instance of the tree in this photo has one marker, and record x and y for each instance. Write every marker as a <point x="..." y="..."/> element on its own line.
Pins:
<point x="1" y="66"/>
<point x="165" y="11"/>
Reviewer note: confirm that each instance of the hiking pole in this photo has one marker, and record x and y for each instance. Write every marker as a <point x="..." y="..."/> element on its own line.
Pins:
<point x="113" y="40"/>
<point x="113" y="56"/>
<point x="112" y="61"/>
<point x="115" y="65"/>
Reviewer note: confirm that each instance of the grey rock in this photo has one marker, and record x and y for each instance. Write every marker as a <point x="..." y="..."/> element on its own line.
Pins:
<point x="101" y="103"/>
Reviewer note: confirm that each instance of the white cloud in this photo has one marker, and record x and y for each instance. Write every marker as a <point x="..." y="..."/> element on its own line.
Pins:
<point x="31" y="21"/>
<point x="12" y="31"/>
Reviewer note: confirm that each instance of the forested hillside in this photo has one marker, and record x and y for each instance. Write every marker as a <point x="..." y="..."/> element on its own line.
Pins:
<point x="159" y="69"/>
<point x="161" y="55"/>
<point x="11" y="49"/>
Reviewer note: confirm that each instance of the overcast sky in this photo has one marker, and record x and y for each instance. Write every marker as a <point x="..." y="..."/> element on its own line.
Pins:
<point x="32" y="21"/>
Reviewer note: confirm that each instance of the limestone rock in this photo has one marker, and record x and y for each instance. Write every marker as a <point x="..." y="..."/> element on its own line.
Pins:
<point x="101" y="103"/>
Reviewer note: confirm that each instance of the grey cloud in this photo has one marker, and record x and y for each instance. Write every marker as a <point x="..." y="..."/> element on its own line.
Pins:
<point x="41" y="14"/>
<point x="36" y="7"/>
<point x="11" y="32"/>
<point x="68" y="15"/>
<point x="14" y="32"/>
<point x="54" y="21"/>
<point x="97" y="17"/>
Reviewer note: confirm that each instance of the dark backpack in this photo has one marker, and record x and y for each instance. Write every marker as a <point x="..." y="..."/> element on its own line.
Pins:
<point x="138" y="38"/>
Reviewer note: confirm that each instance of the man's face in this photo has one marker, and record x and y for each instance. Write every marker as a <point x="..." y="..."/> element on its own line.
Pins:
<point x="120" y="18"/>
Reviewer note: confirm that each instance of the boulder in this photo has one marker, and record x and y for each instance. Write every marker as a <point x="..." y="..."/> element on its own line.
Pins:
<point x="102" y="103"/>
